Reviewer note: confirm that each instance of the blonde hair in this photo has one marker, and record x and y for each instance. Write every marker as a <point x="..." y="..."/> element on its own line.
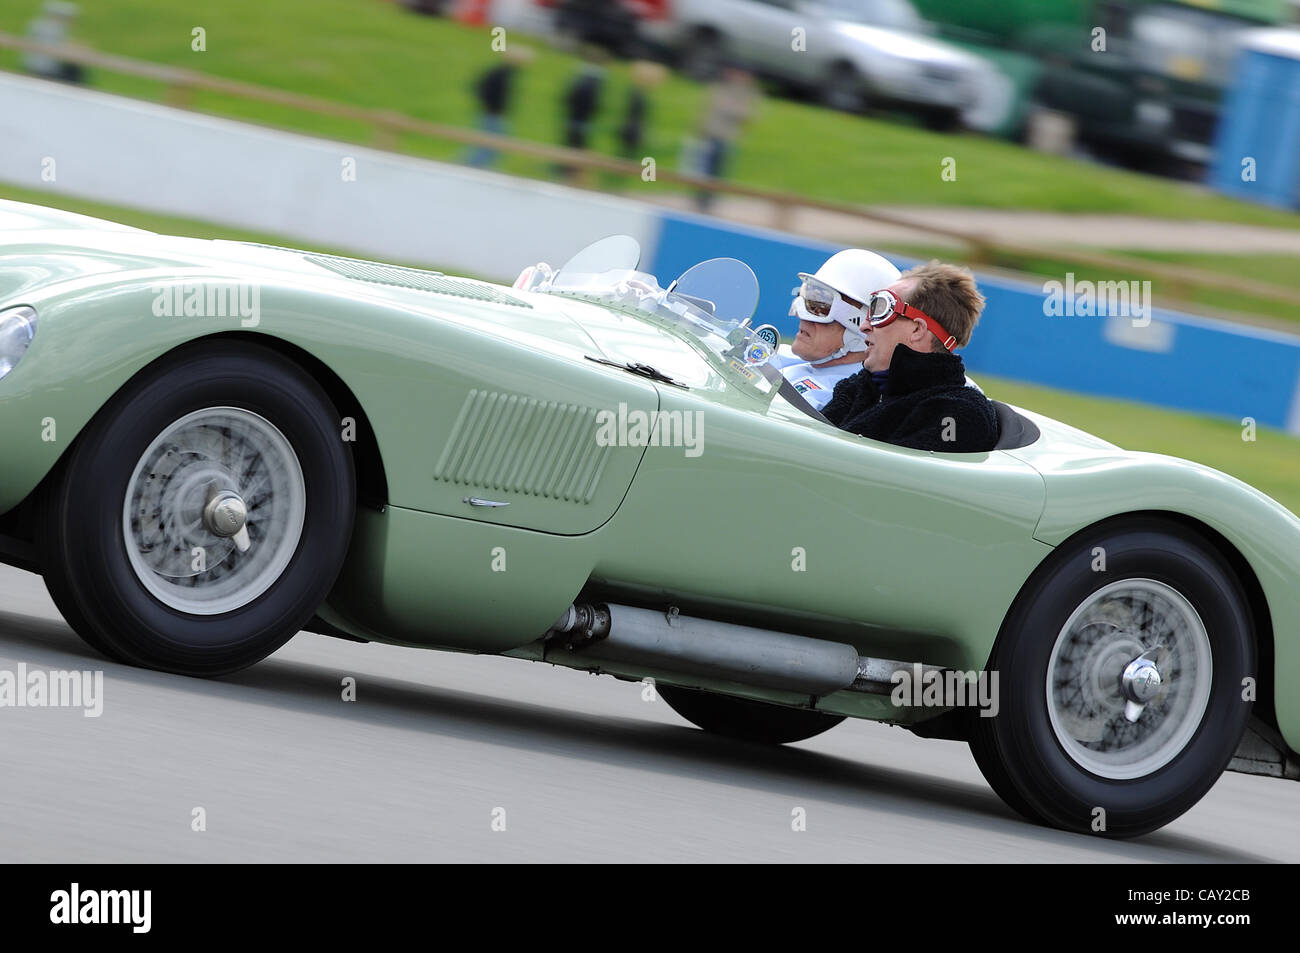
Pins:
<point x="948" y="294"/>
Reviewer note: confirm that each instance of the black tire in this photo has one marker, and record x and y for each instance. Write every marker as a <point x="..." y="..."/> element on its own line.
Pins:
<point x="744" y="719"/>
<point x="942" y="119"/>
<point x="1025" y="759"/>
<point x="83" y="542"/>
<point x="845" y="89"/>
<point x="702" y="58"/>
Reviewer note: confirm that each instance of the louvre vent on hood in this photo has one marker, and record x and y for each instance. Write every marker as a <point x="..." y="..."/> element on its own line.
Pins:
<point x="513" y="443"/>
<point x="433" y="281"/>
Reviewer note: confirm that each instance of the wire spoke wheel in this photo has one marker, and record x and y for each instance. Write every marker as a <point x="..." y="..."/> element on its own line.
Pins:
<point x="204" y="515"/>
<point x="1101" y="720"/>
<point x="214" y="511"/>
<point x="1122" y="681"/>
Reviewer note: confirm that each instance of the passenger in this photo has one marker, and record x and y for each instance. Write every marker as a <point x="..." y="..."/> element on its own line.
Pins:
<point x="830" y="344"/>
<point x="912" y="390"/>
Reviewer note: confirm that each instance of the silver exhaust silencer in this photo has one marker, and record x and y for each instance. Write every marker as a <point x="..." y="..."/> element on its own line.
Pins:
<point x="736" y="653"/>
<point x="691" y="646"/>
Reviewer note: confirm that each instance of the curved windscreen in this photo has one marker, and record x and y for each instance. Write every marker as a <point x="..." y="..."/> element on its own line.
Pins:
<point x="615" y="253"/>
<point x="711" y="304"/>
<point x="724" y="288"/>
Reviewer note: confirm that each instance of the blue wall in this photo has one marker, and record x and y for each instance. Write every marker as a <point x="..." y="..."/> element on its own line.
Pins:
<point x="1180" y="361"/>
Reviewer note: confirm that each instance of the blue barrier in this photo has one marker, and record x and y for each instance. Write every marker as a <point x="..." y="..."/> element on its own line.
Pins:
<point x="776" y="259"/>
<point x="1173" y="360"/>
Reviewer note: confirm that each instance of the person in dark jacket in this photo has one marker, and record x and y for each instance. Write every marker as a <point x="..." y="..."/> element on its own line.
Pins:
<point x="580" y="103"/>
<point x="631" y="133"/>
<point x="912" y="389"/>
<point x="494" y="91"/>
<point x="732" y="100"/>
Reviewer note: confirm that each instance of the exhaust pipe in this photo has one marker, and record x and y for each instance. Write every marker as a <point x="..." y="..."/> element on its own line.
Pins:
<point x="737" y="653"/>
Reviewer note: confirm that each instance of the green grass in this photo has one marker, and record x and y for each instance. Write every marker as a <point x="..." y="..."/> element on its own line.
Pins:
<point x="1271" y="462"/>
<point x="1282" y="271"/>
<point x="376" y="54"/>
<point x="1275" y="269"/>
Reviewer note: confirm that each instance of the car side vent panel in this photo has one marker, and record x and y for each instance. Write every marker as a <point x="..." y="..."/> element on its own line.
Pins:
<point x="382" y="274"/>
<point x="517" y="444"/>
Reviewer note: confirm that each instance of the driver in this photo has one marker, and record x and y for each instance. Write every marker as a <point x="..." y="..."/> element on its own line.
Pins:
<point x="912" y="390"/>
<point x="830" y="344"/>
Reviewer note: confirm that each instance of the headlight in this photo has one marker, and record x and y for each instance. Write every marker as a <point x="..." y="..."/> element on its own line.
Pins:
<point x="17" y="329"/>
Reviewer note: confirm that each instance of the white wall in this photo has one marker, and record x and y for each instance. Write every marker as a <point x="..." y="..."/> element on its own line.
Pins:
<point x="152" y="157"/>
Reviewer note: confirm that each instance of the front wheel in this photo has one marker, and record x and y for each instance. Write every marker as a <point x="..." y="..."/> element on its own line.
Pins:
<point x="941" y="119"/>
<point x="201" y="519"/>
<point x="702" y="59"/>
<point x="744" y="719"/>
<point x="1122" y="677"/>
<point x="845" y="89"/>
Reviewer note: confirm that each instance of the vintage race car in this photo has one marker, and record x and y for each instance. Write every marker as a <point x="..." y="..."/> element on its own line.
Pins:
<point x="211" y="445"/>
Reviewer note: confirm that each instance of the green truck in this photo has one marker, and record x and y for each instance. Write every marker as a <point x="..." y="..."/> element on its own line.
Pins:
<point x="1138" y="80"/>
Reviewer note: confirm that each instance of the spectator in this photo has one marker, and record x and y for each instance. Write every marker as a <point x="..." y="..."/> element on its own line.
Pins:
<point x="631" y="134"/>
<point x="731" y="103"/>
<point x="582" y="102"/>
<point x="52" y="28"/>
<point x="494" y="91"/>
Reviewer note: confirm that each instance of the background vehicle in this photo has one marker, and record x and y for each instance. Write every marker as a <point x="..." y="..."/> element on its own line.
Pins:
<point x="615" y="25"/>
<point x="434" y="8"/>
<point x="1150" y="97"/>
<point x="397" y="455"/>
<point x="855" y="54"/>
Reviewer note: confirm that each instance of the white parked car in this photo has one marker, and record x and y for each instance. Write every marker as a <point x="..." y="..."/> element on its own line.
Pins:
<point x="851" y="54"/>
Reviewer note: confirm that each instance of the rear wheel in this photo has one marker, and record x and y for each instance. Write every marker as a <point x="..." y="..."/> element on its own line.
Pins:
<point x="202" y="517"/>
<point x="1121" y="672"/>
<point x="702" y="59"/>
<point x="845" y="89"/>
<point x="745" y="719"/>
<point x="941" y="119"/>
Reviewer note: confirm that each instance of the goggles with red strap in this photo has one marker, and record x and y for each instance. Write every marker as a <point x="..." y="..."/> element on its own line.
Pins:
<point x="884" y="307"/>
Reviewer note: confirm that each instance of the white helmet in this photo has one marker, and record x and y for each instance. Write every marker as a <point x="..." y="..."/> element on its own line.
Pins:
<point x="853" y="273"/>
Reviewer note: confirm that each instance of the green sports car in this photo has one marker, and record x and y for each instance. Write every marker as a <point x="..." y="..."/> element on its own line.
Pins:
<point x="208" y="446"/>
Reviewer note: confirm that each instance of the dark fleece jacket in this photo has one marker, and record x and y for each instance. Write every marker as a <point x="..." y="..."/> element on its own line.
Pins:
<point x="925" y="396"/>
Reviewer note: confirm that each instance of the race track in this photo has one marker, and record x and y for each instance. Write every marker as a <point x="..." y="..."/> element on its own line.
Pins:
<point x="584" y="768"/>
